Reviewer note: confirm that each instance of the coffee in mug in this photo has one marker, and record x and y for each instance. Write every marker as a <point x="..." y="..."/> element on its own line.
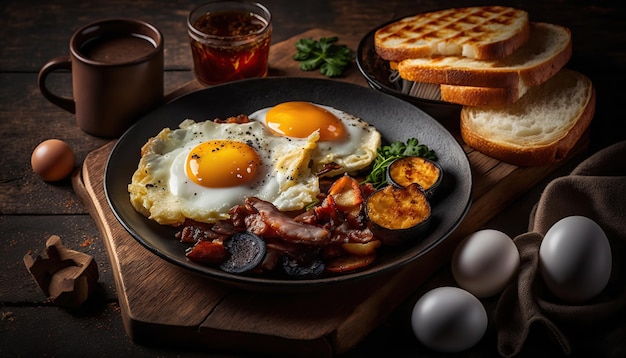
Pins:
<point x="117" y="75"/>
<point x="118" y="49"/>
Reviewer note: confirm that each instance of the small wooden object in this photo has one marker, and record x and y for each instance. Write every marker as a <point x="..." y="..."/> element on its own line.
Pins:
<point x="65" y="276"/>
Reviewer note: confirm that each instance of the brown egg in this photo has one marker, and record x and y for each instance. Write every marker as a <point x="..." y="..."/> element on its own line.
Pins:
<point x="53" y="160"/>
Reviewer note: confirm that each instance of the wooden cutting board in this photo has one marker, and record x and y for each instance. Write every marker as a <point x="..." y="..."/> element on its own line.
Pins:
<point x="163" y="303"/>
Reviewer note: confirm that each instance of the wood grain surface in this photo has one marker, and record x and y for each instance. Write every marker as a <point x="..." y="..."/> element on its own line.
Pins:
<point x="160" y="301"/>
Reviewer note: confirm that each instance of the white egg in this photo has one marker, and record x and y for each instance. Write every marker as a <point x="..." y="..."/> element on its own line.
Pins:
<point x="353" y="149"/>
<point x="449" y="319"/>
<point x="485" y="262"/>
<point x="575" y="259"/>
<point x="163" y="189"/>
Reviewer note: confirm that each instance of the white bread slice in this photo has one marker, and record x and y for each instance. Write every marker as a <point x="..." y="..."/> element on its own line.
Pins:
<point x="540" y="129"/>
<point x="480" y="32"/>
<point x="547" y="50"/>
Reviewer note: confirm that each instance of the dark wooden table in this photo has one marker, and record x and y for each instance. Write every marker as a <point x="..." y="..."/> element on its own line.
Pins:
<point x="32" y="32"/>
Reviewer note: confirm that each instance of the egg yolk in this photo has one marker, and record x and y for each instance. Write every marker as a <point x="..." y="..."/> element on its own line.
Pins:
<point x="300" y="119"/>
<point x="222" y="163"/>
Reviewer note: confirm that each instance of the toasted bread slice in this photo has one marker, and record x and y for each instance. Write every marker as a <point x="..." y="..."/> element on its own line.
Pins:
<point x="482" y="96"/>
<point x="480" y="32"/>
<point x="539" y="129"/>
<point x="463" y="95"/>
<point x="548" y="49"/>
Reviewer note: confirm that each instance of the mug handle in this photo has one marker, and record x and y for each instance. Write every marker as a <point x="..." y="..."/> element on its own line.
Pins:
<point x="58" y="63"/>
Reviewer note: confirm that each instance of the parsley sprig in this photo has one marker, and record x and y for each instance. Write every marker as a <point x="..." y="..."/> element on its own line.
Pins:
<point x="396" y="150"/>
<point x="331" y="58"/>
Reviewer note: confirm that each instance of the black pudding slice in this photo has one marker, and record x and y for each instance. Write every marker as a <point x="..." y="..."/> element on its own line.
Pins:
<point x="245" y="251"/>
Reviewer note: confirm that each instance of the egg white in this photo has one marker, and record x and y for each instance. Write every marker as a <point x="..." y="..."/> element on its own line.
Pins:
<point x="354" y="152"/>
<point x="161" y="190"/>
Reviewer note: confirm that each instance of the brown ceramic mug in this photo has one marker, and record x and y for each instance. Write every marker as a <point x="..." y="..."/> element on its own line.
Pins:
<point x="117" y="75"/>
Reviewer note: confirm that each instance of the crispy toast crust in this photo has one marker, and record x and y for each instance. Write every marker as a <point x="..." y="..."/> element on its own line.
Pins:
<point x="481" y="96"/>
<point x="479" y="32"/>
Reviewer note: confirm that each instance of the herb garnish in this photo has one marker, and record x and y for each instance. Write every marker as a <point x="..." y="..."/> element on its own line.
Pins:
<point x="331" y="58"/>
<point x="388" y="153"/>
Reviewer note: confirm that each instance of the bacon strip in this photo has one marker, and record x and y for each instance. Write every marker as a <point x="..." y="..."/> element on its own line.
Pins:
<point x="286" y="227"/>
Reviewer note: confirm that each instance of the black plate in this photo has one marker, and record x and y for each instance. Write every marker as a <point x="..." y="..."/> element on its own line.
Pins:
<point x="377" y="71"/>
<point x="395" y="119"/>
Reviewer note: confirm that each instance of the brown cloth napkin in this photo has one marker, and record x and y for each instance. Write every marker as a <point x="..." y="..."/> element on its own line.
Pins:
<point x="596" y="188"/>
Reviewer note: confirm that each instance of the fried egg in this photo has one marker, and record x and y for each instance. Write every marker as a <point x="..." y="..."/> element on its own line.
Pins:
<point x="202" y="169"/>
<point x="344" y="139"/>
